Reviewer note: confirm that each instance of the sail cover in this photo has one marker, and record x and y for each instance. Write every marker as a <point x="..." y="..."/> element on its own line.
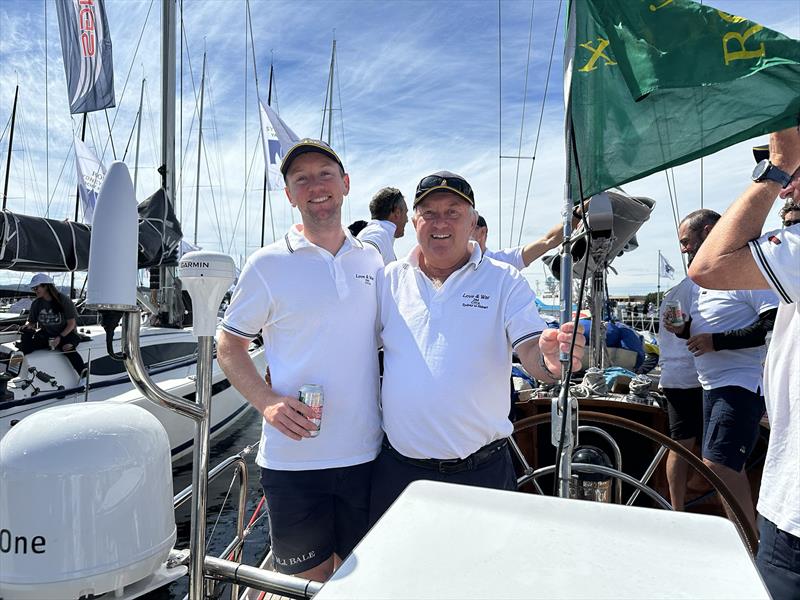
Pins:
<point x="30" y="243"/>
<point x="652" y="85"/>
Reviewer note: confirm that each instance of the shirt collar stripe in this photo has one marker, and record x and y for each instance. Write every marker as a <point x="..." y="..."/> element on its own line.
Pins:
<point x="288" y="244"/>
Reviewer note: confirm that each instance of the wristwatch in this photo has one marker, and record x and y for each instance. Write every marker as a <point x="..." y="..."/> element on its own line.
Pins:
<point x="765" y="170"/>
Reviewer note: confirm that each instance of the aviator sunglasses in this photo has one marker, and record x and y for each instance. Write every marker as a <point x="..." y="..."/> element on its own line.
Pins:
<point x="453" y="183"/>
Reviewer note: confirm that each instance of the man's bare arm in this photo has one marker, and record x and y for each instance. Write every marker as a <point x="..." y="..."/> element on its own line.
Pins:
<point x="286" y="414"/>
<point x="724" y="261"/>
<point x="550" y="240"/>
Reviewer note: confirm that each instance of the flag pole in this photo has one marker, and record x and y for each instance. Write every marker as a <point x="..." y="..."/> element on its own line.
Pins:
<point x="658" y="286"/>
<point x="564" y="407"/>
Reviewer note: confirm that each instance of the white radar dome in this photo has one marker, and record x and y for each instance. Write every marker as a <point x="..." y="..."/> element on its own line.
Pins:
<point x="85" y="501"/>
<point x="206" y="276"/>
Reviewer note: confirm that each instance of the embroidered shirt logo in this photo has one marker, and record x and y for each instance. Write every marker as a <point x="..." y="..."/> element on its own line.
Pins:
<point x="774" y="239"/>
<point x="365" y="278"/>
<point x="475" y="300"/>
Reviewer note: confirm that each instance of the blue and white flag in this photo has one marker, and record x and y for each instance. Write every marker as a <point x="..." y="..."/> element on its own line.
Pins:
<point x="664" y="268"/>
<point x="277" y="138"/>
<point x="91" y="173"/>
<point x="86" y="47"/>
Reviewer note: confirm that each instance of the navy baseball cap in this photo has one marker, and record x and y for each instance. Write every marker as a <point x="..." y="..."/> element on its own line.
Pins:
<point x="308" y="145"/>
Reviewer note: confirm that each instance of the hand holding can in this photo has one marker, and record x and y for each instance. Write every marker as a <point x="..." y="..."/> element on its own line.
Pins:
<point x="673" y="315"/>
<point x="311" y="395"/>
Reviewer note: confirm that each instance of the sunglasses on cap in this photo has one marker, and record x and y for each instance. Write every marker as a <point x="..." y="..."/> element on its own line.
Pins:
<point x="452" y="183"/>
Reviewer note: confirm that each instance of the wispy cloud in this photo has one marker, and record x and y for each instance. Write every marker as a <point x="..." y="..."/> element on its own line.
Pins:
<point x="421" y="90"/>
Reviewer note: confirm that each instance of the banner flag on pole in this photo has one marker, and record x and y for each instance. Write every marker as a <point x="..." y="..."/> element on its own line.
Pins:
<point x="91" y="173"/>
<point x="86" y="48"/>
<point x="664" y="268"/>
<point x="657" y="84"/>
<point x="277" y="138"/>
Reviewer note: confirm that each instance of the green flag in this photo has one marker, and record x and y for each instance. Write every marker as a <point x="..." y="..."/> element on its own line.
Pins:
<point x="657" y="83"/>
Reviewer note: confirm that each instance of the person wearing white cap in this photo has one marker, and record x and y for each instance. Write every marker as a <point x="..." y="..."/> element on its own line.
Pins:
<point x="51" y="323"/>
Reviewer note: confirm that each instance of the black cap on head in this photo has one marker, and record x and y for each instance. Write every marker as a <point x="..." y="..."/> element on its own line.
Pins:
<point x="481" y="222"/>
<point x="308" y="145"/>
<point x="761" y="152"/>
<point x="444" y="181"/>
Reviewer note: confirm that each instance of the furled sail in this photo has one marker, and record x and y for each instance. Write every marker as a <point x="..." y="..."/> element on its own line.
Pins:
<point x="30" y="243"/>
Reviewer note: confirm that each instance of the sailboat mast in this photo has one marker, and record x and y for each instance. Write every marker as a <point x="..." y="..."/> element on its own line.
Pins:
<point x="138" y="139"/>
<point x="266" y="193"/>
<point x="329" y="97"/>
<point x="10" y="146"/>
<point x="199" y="150"/>
<point x="77" y="205"/>
<point x="166" y="275"/>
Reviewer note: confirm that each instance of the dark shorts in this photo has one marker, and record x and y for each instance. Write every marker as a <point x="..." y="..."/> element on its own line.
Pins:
<point x="778" y="560"/>
<point x="685" y="412"/>
<point x="314" y="514"/>
<point x="731" y="416"/>
<point x="392" y="474"/>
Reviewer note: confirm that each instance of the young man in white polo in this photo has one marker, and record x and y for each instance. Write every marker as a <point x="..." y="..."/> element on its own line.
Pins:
<point x="738" y="254"/>
<point x="312" y="295"/>
<point x="449" y="319"/>
<point x="389" y="217"/>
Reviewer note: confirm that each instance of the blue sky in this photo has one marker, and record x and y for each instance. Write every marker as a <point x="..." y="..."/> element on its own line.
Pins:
<point x="420" y="90"/>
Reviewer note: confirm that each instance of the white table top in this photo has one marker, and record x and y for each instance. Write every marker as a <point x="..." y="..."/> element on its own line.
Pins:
<point x="442" y="541"/>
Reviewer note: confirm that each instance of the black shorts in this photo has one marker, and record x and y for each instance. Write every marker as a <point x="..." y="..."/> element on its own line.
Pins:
<point x="731" y="417"/>
<point x="392" y="475"/>
<point x="685" y="412"/>
<point x="314" y="514"/>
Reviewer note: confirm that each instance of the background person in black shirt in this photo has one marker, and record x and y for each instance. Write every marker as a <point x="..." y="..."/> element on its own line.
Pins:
<point x="51" y="323"/>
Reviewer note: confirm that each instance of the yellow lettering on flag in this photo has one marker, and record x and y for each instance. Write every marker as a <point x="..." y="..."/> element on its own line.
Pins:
<point x="654" y="8"/>
<point x="597" y="54"/>
<point x="743" y="53"/>
<point x="730" y="18"/>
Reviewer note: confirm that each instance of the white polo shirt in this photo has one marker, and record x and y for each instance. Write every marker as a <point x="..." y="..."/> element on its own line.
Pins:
<point x="777" y="254"/>
<point x="677" y="363"/>
<point x="317" y="315"/>
<point x="380" y="235"/>
<point x="447" y="354"/>
<point x="717" y="311"/>
<point x="512" y="256"/>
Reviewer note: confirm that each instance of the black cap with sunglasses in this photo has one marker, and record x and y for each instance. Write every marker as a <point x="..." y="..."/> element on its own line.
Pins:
<point x="308" y="145"/>
<point x="444" y="181"/>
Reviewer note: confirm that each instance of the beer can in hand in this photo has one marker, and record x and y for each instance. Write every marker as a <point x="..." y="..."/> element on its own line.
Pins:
<point x="53" y="343"/>
<point x="311" y="395"/>
<point x="673" y="314"/>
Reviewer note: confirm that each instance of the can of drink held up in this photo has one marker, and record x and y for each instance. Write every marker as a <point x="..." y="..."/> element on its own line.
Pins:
<point x="673" y="314"/>
<point x="311" y="395"/>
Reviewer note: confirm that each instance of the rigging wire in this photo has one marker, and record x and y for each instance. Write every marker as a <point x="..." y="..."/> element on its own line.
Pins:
<point x="242" y="202"/>
<point x="46" y="110"/>
<point x="499" y="123"/>
<point x="541" y="119"/>
<point x="341" y="124"/>
<point x="127" y="79"/>
<point x="522" y="126"/>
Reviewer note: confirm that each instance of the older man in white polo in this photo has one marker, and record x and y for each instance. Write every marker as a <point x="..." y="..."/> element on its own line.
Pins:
<point x="449" y="320"/>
